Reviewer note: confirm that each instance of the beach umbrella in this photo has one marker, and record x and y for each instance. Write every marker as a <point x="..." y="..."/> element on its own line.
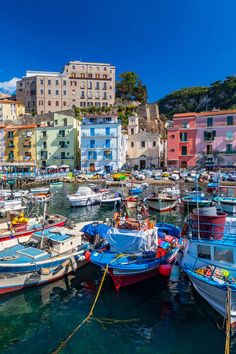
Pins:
<point x="52" y="167"/>
<point x="64" y="166"/>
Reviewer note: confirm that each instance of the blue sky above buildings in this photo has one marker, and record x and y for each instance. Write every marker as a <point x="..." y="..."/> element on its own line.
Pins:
<point x="171" y="44"/>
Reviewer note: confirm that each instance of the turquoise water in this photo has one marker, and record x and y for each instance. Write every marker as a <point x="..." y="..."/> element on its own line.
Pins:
<point x="159" y="317"/>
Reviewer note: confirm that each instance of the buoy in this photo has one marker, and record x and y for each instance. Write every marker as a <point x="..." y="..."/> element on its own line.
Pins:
<point x="165" y="269"/>
<point x="87" y="256"/>
<point x="175" y="273"/>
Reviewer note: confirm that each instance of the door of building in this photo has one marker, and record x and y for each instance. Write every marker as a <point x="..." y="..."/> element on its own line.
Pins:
<point x="184" y="164"/>
<point x="142" y="164"/>
<point x="92" y="167"/>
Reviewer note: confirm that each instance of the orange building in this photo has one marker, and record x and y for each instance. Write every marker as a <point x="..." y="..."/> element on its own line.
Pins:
<point x="181" y="141"/>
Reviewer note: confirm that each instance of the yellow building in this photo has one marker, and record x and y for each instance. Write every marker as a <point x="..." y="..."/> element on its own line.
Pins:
<point x="20" y="143"/>
<point x="10" y="110"/>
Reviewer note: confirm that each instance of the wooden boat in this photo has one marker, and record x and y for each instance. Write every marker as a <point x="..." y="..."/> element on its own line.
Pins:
<point x="130" y="202"/>
<point x="162" y="205"/>
<point x="47" y="257"/>
<point x="128" y="260"/>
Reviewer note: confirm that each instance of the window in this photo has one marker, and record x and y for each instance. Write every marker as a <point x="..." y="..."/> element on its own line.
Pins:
<point x="82" y="85"/>
<point x="73" y="92"/>
<point x="97" y="86"/>
<point x="107" y="143"/>
<point x="44" y="154"/>
<point x="229" y="136"/>
<point x="108" y="131"/>
<point x="132" y="144"/>
<point x="41" y="92"/>
<point x="97" y="76"/>
<point x="49" y="92"/>
<point x="154" y="144"/>
<point x="57" y="103"/>
<point x="64" y="92"/>
<point x="97" y="95"/>
<point x="209" y="135"/>
<point x="209" y="149"/>
<point x="132" y="131"/>
<point x="49" y="103"/>
<point x="92" y="131"/>
<point x="44" y="134"/>
<point x="92" y="144"/>
<point x="105" y="86"/>
<point x="204" y="251"/>
<point x="172" y="136"/>
<point x="82" y="94"/>
<point x="63" y="155"/>
<point x="209" y="121"/>
<point x="56" y="122"/>
<point x="89" y="155"/>
<point x="10" y="134"/>
<point x="185" y="124"/>
<point x="61" y="133"/>
<point x="44" y="144"/>
<point x="90" y="85"/>
<point x="89" y="94"/>
<point x="143" y="144"/>
<point x="62" y="144"/>
<point x="104" y="95"/>
<point x="184" y="150"/>
<point x="64" y="82"/>
<point x="90" y="76"/>
<point x="41" y="82"/>
<point x="104" y="76"/>
<point x="223" y="254"/>
<point x="57" y="82"/>
<point x="49" y="82"/>
<point x="64" y="103"/>
<point x="57" y="92"/>
<point x="183" y="137"/>
<point x="229" y="147"/>
<point x="230" y="120"/>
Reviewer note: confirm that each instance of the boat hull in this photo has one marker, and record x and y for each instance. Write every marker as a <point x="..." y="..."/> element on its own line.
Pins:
<point x="215" y="296"/>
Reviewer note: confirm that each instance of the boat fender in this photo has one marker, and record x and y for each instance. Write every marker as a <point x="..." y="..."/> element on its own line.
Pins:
<point x="165" y="269"/>
<point x="175" y="273"/>
<point x="87" y="256"/>
<point x="81" y="258"/>
<point x="161" y="252"/>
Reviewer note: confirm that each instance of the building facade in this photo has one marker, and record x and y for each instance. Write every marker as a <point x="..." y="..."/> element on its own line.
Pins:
<point x="20" y="143"/>
<point x="205" y="139"/>
<point x="58" y="141"/>
<point x="10" y="110"/>
<point x="80" y="84"/>
<point x="101" y="143"/>
<point x="2" y="145"/>
<point x="216" y="138"/>
<point x="145" y="144"/>
<point x="181" y="141"/>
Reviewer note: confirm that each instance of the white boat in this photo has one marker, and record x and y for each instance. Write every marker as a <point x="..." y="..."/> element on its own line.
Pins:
<point x="175" y="177"/>
<point x="160" y="205"/>
<point x="209" y="259"/>
<point x="110" y="200"/>
<point x="6" y="193"/>
<point x="85" y="196"/>
<point x="7" y="205"/>
<point x="39" y="190"/>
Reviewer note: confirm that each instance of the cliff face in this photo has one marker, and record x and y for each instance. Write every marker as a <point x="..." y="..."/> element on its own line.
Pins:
<point x="220" y="94"/>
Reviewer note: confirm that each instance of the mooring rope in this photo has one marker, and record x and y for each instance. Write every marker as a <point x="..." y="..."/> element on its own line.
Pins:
<point x="67" y="339"/>
<point x="228" y="320"/>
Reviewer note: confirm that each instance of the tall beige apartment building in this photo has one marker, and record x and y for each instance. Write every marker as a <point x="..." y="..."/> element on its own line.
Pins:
<point x="80" y="84"/>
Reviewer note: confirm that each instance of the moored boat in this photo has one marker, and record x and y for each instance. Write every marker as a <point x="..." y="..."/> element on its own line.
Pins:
<point x="85" y="196"/>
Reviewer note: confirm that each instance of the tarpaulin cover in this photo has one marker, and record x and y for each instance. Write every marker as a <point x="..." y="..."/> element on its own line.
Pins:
<point x="126" y="241"/>
<point x="96" y="229"/>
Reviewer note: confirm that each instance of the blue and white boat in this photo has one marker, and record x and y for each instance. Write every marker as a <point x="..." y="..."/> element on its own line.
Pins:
<point x="137" y="252"/>
<point x="136" y="190"/>
<point x="195" y="199"/>
<point x="209" y="260"/>
<point x="47" y="257"/>
<point x="227" y="199"/>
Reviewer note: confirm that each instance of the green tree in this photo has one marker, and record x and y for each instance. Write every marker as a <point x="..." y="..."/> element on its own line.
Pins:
<point x="130" y="88"/>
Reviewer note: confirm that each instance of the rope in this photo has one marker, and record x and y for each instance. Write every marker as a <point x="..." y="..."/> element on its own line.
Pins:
<point x="63" y="344"/>
<point x="228" y="322"/>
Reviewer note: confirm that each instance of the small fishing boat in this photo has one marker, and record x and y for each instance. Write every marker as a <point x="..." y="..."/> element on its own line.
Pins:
<point x="7" y="193"/>
<point x="85" y="196"/>
<point x="56" y="184"/>
<point x="138" y="250"/>
<point x="161" y="205"/>
<point x="226" y="199"/>
<point x="48" y="256"/>
<point x="39" y="190"/>
<point x="41" y="197"/>
<point x="111" y="200"/>
<point x="136" y="190"/>
<point x="195" y="199"/>
<point x="212" y="187"/>
<point x="130" y="202"/>
<point x="209" y="259"/>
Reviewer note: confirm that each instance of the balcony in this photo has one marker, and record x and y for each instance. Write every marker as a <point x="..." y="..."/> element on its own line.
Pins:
<point x="184" y="141"/>
<point x="26" y="158"/>
<point x="63" y="158"/>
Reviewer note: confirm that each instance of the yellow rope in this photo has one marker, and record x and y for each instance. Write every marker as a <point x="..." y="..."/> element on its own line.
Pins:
<point x="65" y="341"/>
<point x="228" y="321"/>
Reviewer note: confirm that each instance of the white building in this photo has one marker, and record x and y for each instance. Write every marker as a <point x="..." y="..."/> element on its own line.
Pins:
<point x="144" y="148"/>
<point x="101" y="143"/>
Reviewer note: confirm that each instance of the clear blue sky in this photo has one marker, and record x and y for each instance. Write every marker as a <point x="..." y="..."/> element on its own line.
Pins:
<point x="170" y="43"/>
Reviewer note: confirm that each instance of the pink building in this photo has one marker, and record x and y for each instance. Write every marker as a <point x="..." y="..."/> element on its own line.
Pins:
<point x="216" y="138"/>
<point x="205" y="139"/>
<point x="181" y="141"/>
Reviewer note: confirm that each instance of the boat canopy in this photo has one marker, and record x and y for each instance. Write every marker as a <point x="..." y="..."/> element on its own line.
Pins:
<point x="96" y="229"/>
<point x="83" y="190"/>
<point x="126" y="241"/>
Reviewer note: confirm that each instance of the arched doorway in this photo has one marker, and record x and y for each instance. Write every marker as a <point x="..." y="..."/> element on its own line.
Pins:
<point x="142" y="162"/>
<point x="184" y="164"/>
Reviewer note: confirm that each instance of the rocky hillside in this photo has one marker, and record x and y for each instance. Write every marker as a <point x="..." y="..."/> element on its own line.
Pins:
<point x="220" y="94"/>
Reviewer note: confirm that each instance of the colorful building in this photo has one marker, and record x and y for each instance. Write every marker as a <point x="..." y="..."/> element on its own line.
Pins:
<point x="10" y="110"/>
<point x="205" y="139"/>
<point x="58" y="140"/>
<point x="20" y="143"/>
<point x="2" y="145"/>
<point x="181" y="141"/>
<point x="101" y="143"/>
<point x="216" y="138"/>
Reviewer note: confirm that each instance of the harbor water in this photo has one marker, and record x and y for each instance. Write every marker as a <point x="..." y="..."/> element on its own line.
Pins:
<point x="154" y="317"/>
